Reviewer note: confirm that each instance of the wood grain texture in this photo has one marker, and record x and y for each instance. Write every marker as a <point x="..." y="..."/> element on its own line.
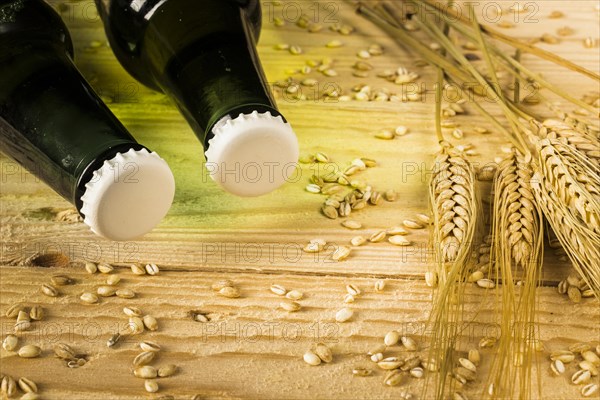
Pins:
<point x="251" y="350"/>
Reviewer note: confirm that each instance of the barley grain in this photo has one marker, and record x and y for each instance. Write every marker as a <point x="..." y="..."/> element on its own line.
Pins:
<point x="390" y="363"/>
<point x="391" y="338"/>
<point x="167" y="370"/>
<point x="397" y="230"/>
<point x="417" y="372"/>
<point x="29" y="351"/>
<point x="409" y="343"/>
<point x="132" y="311"/>
<point x="113" y="340"/>
<point x="125" y="293"/>
<point x="89" y="298"/>
<point x="106" y="291"/>
<point x="377" y="236"/>
<point x="137" y="269"/>
<point x="294" y="295"/>
<point x="393" y="378"/>
<point x="8" y="386"/>
<point x="146" y="372"/>
<point x="581" y="377"/>
<point x="49" y="290"/>
<point x="353" y="290"/>
<point x="10" y="342"/>
<point x="150" y="322"/>
<point x="362" y="372"/>
<point x="474" y="356"/>
<point x="311" y="358"/>
<point x="589" y="390"/>
<point x="151" y="385"/>
<point x="36" y="313"/>
<point x="91" y="267"/>
<point x="61" y="280"/>
<point x="341" y="253"/>
<point x="105" y="268"/>
<point x="278" y="290"/>
<point x="323" y="352"/>
<point x="135" y="325"/>
<point x="557" y="367"/>
<point x="344" y="314"/>
<point x="588" y="366"/>
<point x="579" y="348"/>
<point x="487" y="341"/>
<point x="398" y="240"/>
<point x="358" y="240"/>
<point x="562" y="355"/>
<point x="431" y="279"/>
<point x="379" y="285"/>
<point x="590" y="356"/>
<point x="113" y="280"/>
<point x="351" y="224"/>
<point x="348" y="298"/>
<point x="290" y="306"/>
<point x="412" y="224"/>
<point x="152" y="269"/>
<point x="144" y="358"/>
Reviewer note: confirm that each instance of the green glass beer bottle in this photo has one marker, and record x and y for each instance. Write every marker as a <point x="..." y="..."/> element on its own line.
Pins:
<point x="55" y="126"/>
<point x="202" y="54"/>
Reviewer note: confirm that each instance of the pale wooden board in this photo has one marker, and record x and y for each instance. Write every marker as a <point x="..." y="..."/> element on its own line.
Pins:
<point x="210" y="234"/>
<point x="251" y="348"/>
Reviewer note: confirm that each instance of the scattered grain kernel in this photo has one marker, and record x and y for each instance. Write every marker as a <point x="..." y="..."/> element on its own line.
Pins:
<point x="295" y="50"/>
<point x="362" y="372"/>
<point x="341" y="253"/>
<point x="278" y="290"/>
<point x="353" y="290"/>
<point x="113" y="280"/>
<point x="61" y="280"/>
<point x="138" y="269"/>
<point x="105" y="268"/>
<point x="589" y="390"/>
<point x="132" y="311"/>
<point x="49" y="290"/>
<point x="89" y="298"/>
<point x="146" y="372"/>
<point x="409" y="343"/>
<point x="36" y="313"/>
<point x="393" y="378"/>
<point x="412" y="224"/>
<point x="229" y="291"/>
<point x="91" y="267"/>
<point x="323" y="352"/>
<point x="351" y="224"/>
<point x="590" y="356"/>
<point x="8" y="386"/>
<point x="135" y="325"/>
<point x="390" y="363"/>
<point x="396" y="230"/>
<point x="377" y="236"/>
<point x="113" y="340"/>
<point x="379" y="285"/>
<point x="152" y="269"/>
<point x="562" y="355"/>
<point x="384" y="134"/>
<point x="358" y="240"/>
<point x="431" y="279"/>
<point x="125" y="293"/>
<point x="557" y="367"/>
<point x="474" y="356"/>
<point x="150" y="322"/>
<point x="167" y="370"/>
<point x="294" y="295"/>
<point x="311" y="358"/>
<point x="487" y="341"/>
<point x="348" y="298"/>
<point x="580" y="377"/>
<point x="29" y="351"/>
<point x="486" y="283"/>
<point x="391" y="338"/>
<point x="344" y="314"/>
<point x="10" y="342"/>
<point x="106" y="291"/>
<point x="466" y="363"/>
<point x="151" y="385"/>
<point x="399" y="240"/>
<point x="290" y="306"/>
<point x="144" y="358"/>
<point x="574" y="294"/>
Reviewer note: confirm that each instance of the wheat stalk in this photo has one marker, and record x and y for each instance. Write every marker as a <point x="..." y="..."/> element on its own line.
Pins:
<point x="517" y="251"/>
<point x="454" y="206"/>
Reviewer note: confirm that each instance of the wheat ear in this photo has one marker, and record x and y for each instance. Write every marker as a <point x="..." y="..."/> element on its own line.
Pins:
<point x="518" y="233"/>
<point x="454" y="205"/>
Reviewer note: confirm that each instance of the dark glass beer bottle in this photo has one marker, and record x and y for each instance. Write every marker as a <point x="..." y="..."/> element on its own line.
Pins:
<point x="54" y="125"/>
<point x="202" y="53"/>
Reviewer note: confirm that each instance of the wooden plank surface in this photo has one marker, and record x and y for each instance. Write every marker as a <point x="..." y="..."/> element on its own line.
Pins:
<point x="209" y="234"/>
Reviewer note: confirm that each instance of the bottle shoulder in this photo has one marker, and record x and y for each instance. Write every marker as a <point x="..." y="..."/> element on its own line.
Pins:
<point x="25" y="22"/>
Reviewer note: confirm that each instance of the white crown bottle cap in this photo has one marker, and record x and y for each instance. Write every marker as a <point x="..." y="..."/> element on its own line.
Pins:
<point x="252" y="154"/>
<point x="128" y="195"/>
